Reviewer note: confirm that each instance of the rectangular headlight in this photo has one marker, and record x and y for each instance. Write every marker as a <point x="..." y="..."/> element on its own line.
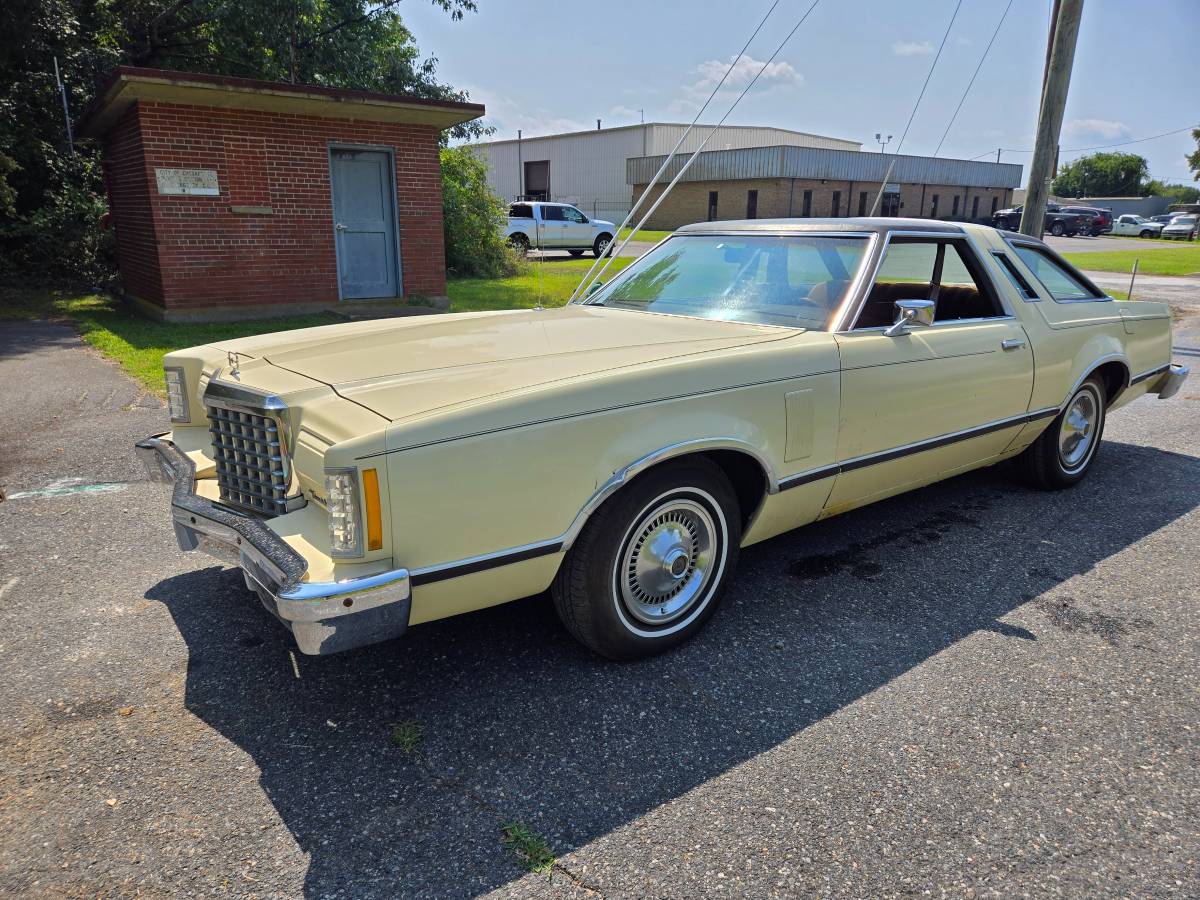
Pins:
<point x="345" y="516"/>
<point x="177" y="399"/>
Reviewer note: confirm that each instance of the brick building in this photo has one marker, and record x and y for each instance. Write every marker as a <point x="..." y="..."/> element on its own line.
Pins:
<point x="786" y="182"/>
<point x="235" y="198"/>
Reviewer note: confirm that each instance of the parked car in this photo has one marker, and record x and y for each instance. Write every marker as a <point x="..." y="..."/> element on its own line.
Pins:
<point x="1098" y="221"/>
<point x="1164" y="218"/>
<point x="557" y="226"/>
<point x="1056" y="222"/>
<point x="1181" y="228"/>
<point x="1136" y="226"/>
<point x="737" y="381"/>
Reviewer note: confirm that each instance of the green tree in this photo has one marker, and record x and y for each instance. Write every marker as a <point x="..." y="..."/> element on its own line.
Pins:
<point x="474" y="218"/>
<point x="1179" y="193"/>
<point x="1193" y="159"/>
<point x="1102" y="175"/>
<point x="341" y="43"/>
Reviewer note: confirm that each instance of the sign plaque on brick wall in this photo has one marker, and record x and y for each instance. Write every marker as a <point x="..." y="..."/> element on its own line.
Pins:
<point x="202" y="182"/>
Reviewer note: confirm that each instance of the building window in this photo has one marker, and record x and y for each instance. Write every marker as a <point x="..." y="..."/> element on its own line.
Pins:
<point x="712" y="205"/>
<point x="933" y="207"/>
<point x="751" y="204"/>
<point x="806" y="209"/>
<point x="955" y="212"/>
<point x="994" y="199"/>
<point x="975" y="207"/>
<point x="862" y="203"/>
<point x="837" y="204"/>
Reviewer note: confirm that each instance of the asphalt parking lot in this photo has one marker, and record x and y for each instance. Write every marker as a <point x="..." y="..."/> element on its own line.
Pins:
<point x="973" y="688"/>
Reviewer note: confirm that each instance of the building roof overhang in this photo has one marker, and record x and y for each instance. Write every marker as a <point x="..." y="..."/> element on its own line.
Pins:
<point x="128" y="85"/>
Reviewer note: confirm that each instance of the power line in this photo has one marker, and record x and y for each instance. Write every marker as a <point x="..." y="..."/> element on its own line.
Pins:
<point x="674" y="150"/>
<point x="1152" y="137"/>
<point x="916" y="106"/>
<point x="971" y="83"/>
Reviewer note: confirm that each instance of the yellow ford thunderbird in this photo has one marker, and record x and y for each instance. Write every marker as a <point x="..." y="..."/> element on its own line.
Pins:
<point x="738" y="380"/>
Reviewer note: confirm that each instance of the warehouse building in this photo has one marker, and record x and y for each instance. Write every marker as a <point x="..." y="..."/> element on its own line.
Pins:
<point x="795" y="181"/>
<point x="588" y="168"/>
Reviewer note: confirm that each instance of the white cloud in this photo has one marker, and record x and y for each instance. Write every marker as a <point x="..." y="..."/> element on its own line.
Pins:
<point x="507" y="115"/>
<point x="707" y="75"/>
<point x="913" y="48"/>
<point x="962" y="41"/>
<point x="1101" y="128"/>
<point x="625" y="114"/>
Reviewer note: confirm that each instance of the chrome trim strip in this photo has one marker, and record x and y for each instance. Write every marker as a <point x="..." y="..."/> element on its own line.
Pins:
<point x="1138" y="379"/>
<point x="871" y="459"/>
<point x="1108" y="357"/>
<point x="562" y="543"/>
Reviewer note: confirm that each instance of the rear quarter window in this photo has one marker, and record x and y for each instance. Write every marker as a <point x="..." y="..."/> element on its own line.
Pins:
<point x="1061" y="282"/>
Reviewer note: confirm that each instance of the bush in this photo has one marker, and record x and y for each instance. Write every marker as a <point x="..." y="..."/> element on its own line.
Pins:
<point x="474" y="219"/>
<point x="62" y="239"/>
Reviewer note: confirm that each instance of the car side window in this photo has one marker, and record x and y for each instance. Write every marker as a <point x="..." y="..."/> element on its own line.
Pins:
<point x="941" y="270"/>
<point x="552" y="214"/>
<point x="571" y="214"/>
<point x="1059" y="281"/>
<point x="520" y="211"/>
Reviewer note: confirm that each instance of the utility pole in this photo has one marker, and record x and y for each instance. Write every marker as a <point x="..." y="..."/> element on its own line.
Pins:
<point x="1064" y="35"/>
<point x="520" y="169"/>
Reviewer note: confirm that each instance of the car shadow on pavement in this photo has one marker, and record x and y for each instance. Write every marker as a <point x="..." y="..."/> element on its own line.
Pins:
<point x="521" y="724"/>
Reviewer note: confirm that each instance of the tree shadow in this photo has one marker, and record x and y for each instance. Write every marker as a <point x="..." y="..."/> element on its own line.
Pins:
<point x="523" y="724"/>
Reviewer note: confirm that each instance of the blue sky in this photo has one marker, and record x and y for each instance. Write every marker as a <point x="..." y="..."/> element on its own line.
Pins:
<point x="854" y="68"/>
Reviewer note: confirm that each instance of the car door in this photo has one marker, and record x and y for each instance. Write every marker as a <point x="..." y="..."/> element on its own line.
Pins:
<point x="553" y="227"/>
<point x="578" y="230"/>
<point x="1123" y="225"/>
<point x="920" y="405"/>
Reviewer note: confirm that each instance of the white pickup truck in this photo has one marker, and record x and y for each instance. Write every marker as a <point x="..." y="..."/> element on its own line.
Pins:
<point x="556" y="226"/>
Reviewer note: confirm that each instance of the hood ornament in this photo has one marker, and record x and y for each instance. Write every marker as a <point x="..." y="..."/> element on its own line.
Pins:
<point x="233" y="358"/>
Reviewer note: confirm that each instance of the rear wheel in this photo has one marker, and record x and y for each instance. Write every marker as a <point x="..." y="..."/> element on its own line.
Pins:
<point x="519" y="242"/>
<point x="650" y="567"/>
<point x="600" y="247"/>
<point x="1063" y="453"/>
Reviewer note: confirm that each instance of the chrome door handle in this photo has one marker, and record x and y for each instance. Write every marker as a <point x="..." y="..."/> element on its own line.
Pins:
<point x="1012" y="344"/>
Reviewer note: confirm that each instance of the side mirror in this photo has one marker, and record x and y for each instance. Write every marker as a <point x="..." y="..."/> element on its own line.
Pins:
<point x="593" y="287"/>
<point x="909" y="313"/>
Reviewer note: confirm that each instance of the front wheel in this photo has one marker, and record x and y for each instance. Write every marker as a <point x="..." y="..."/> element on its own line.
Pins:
<point x="650" y="567"/>
<point x="1063" y="453"/>
<point x="600" y="247"/>
<point x="1145" y="234"/>
<point x="1057" y="229"/>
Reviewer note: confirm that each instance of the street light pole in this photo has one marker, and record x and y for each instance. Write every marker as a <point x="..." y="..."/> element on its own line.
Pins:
<point x="520" y="169"/>
<point x="882" y="143"/>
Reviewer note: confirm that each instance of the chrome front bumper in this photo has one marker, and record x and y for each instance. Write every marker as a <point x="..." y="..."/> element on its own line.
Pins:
<point x="1169" y="383"/>
<point x="323" y="616"/>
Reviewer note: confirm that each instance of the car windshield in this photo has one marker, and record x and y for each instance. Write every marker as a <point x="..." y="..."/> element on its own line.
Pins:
<point x="1184" y="220"/>
<point x="795" y="280"/>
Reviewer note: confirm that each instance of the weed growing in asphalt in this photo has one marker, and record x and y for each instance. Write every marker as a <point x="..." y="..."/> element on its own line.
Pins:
<point x="408" y="735"/>
<point x="530" y="848"/>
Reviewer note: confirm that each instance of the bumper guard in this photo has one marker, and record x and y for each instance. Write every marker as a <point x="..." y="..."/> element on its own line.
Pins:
<point x="323" y="616"/>
<point x="1169" y="383"/>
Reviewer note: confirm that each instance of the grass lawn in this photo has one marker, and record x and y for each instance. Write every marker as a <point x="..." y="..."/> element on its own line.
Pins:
<point x="547" y="283"/>
<point x="1183" y="259"/>
<point x="138" y="343"/>
<point x="650" y="237"/>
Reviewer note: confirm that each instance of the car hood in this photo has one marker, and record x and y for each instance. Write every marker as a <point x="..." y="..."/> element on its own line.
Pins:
<point x="401" y="368"/>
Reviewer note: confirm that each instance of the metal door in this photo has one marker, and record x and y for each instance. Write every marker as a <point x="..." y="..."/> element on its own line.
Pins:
<point x="364" y="224"/>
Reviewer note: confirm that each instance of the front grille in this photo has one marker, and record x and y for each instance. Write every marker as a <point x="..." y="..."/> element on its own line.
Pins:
<point x="252" y="469"/>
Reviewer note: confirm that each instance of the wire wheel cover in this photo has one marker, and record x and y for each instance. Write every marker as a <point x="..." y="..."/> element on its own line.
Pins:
<point x="1077" y="436"/>
<point x="668" y="562"/>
